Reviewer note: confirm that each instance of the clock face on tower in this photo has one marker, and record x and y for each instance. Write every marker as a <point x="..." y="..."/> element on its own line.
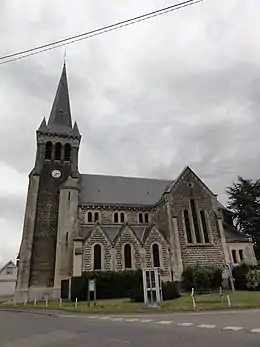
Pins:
<point x="56" y="173"/>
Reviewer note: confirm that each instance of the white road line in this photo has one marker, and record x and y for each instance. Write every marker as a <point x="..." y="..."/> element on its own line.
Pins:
<point x="207" y="326"/>
<point x="256" y="331"/>
<point x="233" y="328"/>
<point x="117" y="319"/>
<point x="104" y="318"/>
<point x="146" y="320"/>
<point x="184" y="324"/>
<point x="92" y="317"/>
<point x="165" y="322"/>
<point x="131" y="320"/>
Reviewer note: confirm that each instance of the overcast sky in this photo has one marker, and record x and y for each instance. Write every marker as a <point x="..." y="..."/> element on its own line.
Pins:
<point x="180" y="89"/>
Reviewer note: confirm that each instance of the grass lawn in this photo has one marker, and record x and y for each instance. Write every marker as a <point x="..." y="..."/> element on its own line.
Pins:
<point x="242" y="299"/>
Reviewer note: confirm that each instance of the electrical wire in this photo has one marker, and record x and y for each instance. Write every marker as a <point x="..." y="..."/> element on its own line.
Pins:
<point x="89" y="34"/>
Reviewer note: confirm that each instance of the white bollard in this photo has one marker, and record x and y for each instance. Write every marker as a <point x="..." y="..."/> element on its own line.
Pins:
<point x="35" y="302"/>
<point x="76" y="303"/>
<point x="194" y="303"/>
<point x="46" y="302"/>
<point x="193" y="299"/>
<point x="192" y="292"/>
<point x="229" y="302"/>
<point x="25" y="302"/>
<point x="60" y="302"/>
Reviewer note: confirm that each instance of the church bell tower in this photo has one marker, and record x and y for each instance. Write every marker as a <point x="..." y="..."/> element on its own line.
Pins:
<point x="54" y="175"/>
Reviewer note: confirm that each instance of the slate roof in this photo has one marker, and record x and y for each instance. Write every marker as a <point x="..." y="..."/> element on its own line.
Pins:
<point x="60" y="121"/>
<point x="60" y="112"/>
<point x="233" y="235"/>
<point x="117" y="190"/>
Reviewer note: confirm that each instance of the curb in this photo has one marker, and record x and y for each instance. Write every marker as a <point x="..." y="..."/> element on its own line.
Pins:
<point x="28" y="311"/>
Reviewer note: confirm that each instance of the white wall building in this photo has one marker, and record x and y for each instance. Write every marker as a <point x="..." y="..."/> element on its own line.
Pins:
<point x="8" y="275"/>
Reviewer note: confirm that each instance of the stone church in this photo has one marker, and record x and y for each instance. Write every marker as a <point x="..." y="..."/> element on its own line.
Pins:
<point x="78" y="222"/>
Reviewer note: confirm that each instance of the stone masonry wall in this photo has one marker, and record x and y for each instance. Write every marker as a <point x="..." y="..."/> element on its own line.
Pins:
<point x="97" y="236"/>
<point x="156" y="237"/>
<point x="127" y="236"/>
<point x="190" y="187"/>
<point x="106" y="214"/>
<point x="160" y="217"/>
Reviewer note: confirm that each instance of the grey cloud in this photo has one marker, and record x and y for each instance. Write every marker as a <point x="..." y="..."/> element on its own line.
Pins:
<point x="12" y="208"/>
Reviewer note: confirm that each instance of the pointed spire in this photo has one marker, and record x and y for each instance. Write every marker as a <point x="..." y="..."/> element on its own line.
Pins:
<point x="60" y="117"/>
<point x="75" y="130"/>
<point x="43" y="126"/>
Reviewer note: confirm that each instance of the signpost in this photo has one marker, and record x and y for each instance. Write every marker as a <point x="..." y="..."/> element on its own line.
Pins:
<point x="92" y="289"/>
<point x="228" y="274"/>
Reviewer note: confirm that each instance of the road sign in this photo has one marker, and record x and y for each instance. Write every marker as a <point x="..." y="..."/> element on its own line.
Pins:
<point x="91" y="285"/>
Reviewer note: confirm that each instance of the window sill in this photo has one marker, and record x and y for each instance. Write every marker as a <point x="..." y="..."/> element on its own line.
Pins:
<point x="200" y="244"/>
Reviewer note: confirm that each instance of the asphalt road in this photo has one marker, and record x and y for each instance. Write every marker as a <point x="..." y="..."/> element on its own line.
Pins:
<point x="214" y="329"/>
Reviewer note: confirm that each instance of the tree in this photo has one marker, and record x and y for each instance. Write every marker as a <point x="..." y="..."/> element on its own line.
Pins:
<point x="244" y="201"/>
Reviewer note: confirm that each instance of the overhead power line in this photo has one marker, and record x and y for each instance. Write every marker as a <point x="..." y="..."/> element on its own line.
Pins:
<point x="69" y="40"/>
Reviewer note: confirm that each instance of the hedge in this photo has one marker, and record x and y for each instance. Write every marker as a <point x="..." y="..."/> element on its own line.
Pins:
<point x="109" y="284"/>
<point x="201" y="278"/>
<point x="244" y="281"/>
<point x="113" y="285"/>
<point x="170" y="291"/>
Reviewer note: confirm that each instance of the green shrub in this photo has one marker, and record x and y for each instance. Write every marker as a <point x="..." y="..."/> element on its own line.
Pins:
<point x="253" y="280"/>
<point x="201" y="278"/>
<point x="170" y="291"/>
<point x="239" y="274"/>
<point x="109" y="284"/>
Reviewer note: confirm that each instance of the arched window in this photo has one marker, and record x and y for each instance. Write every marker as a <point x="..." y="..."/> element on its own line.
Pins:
<point x="234" y="256"/>
<point x="140" y="217"/>
<point x="58" y="151"/>
<point x="97" y="257"/>
<point x="115" y="217"/>
<point x="204" y="226"/>
<point x="195" y="221"/>
<point x="90" y="220"/>
<point x="187" y="226"/>
<point x="146" y="218"/>
<point x="67" y="152"/>
<point x="156" y="255"/>
<point x="48" y="150"/>
<point x="122" y="217"/>
<point x="128" y="256"/>
<point x="96" y="216"/>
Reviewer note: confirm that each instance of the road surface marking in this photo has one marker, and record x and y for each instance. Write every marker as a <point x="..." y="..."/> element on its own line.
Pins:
<point x="233" y="328"/>
<point x="146" y="320"/>
<point x="207" y="326"/>
<point x="132" y="320"/>
<point x="256" y="331"/>
<point x="117" y="319"/>
<point x="104" y="318"/>
<point x="119" y="341"/>
<point x="185" y="324"/>
<point x="92" y="317"/>
<point x="165" y="322"/>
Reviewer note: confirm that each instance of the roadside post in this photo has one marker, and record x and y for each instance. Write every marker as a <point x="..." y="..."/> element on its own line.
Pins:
<point x="193" y="299"/>
<point x="92" y="289"/>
